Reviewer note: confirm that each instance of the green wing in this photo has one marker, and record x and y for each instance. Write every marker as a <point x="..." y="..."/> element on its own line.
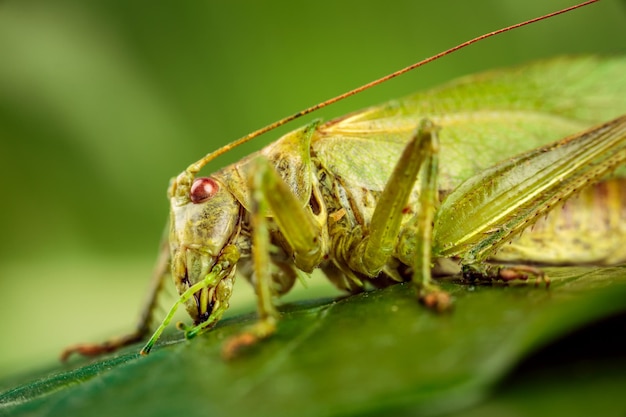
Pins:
<point x="485" y="119"/>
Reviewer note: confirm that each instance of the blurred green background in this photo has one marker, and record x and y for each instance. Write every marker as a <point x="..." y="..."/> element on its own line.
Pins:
<point x="101" y="102"/>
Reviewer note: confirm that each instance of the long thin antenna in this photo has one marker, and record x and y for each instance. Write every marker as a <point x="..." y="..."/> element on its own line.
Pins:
<point x="197" y="166"/>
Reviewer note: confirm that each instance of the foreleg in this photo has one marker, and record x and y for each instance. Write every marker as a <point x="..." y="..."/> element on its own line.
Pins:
<point x="296" y="223"/>
<point x="419" y="160"/>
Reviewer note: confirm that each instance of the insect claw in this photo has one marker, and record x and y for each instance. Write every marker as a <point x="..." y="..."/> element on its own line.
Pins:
<point x="522" y="272"/>
<point x="543" y="277"/>
<point x="83" y="350"/>
<point x="492" y="273"/>
<point x="511" y="274"/>
<point x="96" y="349"/>
<point x="235" y="345"/>
<point x="436" y="299"/>
<point x="250" y="337"/>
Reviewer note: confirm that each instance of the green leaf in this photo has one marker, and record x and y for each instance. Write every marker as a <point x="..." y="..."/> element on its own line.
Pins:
<point x="376" y="353"/>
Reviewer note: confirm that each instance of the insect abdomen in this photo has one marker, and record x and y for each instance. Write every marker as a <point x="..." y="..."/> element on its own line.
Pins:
<point x="589" y="228"/>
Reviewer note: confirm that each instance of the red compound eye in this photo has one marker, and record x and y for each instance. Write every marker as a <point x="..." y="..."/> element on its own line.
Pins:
<point x="202" y="189"/>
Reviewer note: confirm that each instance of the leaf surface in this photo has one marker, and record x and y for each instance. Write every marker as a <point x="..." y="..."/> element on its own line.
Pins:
<point x="374" y="353"/>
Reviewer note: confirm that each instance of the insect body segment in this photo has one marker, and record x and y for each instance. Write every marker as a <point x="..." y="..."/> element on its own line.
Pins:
<point x="384" y="194"/>
<point x="297" y="205"/>
<point x="363" y="246"/>
<point x="201" y="240"/>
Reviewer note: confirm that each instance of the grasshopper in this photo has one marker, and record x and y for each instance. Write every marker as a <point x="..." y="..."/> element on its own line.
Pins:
<point x="439" y="189"/>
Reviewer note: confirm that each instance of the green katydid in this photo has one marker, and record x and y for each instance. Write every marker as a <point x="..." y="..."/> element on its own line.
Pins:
<point x="439" y="188"/>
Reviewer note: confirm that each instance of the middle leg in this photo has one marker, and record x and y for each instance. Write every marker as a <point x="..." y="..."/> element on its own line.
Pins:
<point x="411" y="243"/>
